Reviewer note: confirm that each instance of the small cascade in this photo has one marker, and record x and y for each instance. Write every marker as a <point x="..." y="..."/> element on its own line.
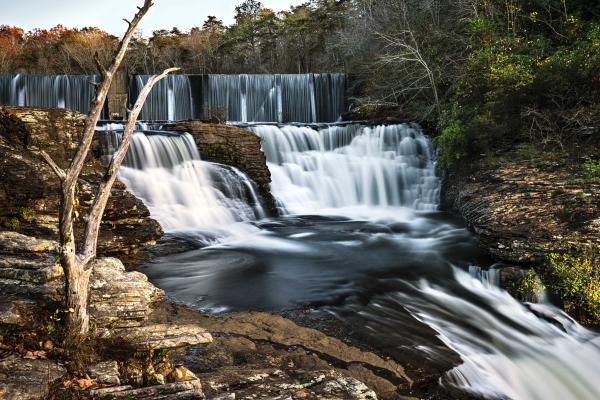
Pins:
<point x="181" y="191"/>
<point x="509" y="350"/>
<point x="488" y="277"/>
<point x="74" y="92"/>
<point x="349" y="166"/>
<point x="275" y="98"/>
<point x="170" y="100"/>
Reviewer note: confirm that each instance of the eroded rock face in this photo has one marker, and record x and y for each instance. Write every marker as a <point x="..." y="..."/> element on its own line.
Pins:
<point x="233" y="146"/>
<point x="22" y="379"/>
<point x="29" y="189"/>
<point x="523" y="210"/>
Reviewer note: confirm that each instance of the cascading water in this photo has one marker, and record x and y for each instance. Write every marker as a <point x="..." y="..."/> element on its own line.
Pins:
<point x="366" y="244"/>
<point x="74" y="92"/>
<point x="170" y="100"/>
<point x="350" y="166"/>
<point x="275" y="98"/>
<point x="183" y="192"/>
<point x="509" y="350"/>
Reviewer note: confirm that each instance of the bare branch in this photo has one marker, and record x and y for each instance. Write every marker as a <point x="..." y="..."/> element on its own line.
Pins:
<point x="55" y="168"/>
<point x="99" y="66"/>
<point x="103" y="193"/>
<point x="127" y="21"/>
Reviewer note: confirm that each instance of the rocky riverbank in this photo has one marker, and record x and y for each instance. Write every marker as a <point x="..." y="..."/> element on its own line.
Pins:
<point x="29" y="188"/>
<point x="529" y="211"/>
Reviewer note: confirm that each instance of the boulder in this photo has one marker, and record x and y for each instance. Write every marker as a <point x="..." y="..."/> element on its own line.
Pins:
<point x="156" y="336"/>
<point x="191" y="390"/>
<point x="31" y="279"/>
<point x="120" y="299"/>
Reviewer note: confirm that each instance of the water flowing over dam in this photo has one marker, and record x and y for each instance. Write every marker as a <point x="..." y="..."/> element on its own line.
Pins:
<point x="74" y="92"/>
<point x="309" y="98"/>
<point x="245" y="98"/>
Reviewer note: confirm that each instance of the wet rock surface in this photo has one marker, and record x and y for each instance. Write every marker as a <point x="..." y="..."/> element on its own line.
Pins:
<point x="29" y="189"/>
<point x="233" y="146"/>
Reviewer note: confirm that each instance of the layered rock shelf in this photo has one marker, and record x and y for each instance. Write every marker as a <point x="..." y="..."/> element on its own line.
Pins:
<point x="29" y="189"/>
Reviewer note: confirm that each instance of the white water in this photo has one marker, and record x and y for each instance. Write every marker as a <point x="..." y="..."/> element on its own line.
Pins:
<point x="275" y="98"/>
<point x="183" y="192"/>
<point x="510" y="350"/>
<point x="350" y="166"/>
<point x="74" y="92"/>
<point x="171" y="99"/>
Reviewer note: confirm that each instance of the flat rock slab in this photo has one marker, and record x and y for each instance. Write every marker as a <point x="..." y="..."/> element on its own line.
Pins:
<point x="158" y="336"/>
<point x="190" y="390"/>
<point x="15" y="243"/>
<point x="22" y="379"/>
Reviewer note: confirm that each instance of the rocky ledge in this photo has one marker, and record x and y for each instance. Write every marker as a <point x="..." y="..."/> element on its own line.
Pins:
<point x="230" y="145"/>
<point x="29" y="189"/>
<point x="526" y="212"/>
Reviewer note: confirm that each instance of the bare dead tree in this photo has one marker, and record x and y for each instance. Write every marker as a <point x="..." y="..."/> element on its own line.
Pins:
<point x="78" y="265"/>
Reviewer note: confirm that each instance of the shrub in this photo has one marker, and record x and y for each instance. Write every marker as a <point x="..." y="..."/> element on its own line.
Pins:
<point x="576" y="279"/>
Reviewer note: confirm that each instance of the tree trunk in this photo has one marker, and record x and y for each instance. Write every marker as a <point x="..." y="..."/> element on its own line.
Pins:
<point x="77" y="293"/>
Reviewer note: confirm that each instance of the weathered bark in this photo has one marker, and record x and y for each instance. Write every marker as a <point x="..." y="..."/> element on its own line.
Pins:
<point x="77" y="267"/>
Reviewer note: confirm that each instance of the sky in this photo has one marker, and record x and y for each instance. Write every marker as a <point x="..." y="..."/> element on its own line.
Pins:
<point x="108" y="14"/>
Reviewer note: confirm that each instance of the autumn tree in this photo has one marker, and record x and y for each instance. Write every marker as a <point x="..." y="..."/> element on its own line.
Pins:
<point x="77" y="260"/>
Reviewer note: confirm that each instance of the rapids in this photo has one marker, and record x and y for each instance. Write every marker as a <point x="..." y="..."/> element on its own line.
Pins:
<point x="360" y="239"/>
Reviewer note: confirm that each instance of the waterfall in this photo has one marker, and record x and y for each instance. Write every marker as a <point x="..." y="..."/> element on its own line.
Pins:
<point x="348" y="166"/>
<point x="275" y="98"/>
<point x="509" y="350"/>
<point x="74" y="92"/>
<point x="181" y="191"/>
<point x="171" y="99"/>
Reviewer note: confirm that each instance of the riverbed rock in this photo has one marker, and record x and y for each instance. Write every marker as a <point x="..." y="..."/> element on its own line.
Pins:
<point x="188" y="390"/>
<point x="29" y="189"/>
<point x="22" y="379"/>
<point x="237" y="147"/>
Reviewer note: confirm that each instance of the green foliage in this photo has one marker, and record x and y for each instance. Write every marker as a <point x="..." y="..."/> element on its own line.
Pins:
<point x="532" y="76"/>
<point x="12" y="224"/>
<point x="576" y="278"/>
<point x="591" y="168"/>
<point x="528" y="288"/>
<point x="453" y="141"/>
<point x="27" y="213"/>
